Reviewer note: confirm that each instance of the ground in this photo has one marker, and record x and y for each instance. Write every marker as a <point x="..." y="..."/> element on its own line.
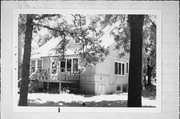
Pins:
<point x="66" y="99"/>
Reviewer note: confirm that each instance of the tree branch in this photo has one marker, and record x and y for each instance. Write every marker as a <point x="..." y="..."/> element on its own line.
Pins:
<point x="44" y="16"/>
<point x="45" y="26"/>
<point x="152" y="23"/>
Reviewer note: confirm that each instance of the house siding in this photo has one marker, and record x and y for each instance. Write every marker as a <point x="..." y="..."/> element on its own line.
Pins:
<point x="99" y="79"/>
<point x="105" y="72"/>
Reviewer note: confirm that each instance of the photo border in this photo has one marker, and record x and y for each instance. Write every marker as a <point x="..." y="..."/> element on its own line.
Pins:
<point x="17" y="108"/>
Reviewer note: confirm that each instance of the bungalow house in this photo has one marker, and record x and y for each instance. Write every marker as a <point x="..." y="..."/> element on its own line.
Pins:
<point x="48" y="70"/>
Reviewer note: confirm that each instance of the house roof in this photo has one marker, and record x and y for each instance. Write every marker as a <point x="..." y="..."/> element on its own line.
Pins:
<point x="48" y="49"/>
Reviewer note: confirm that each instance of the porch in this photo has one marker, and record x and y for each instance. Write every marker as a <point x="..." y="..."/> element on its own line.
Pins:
<point x="43" y="80"/>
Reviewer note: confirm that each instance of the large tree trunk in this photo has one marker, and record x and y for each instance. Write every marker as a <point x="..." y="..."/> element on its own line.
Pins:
<point x="135" y="72"/>
<point x="26" y="62"/>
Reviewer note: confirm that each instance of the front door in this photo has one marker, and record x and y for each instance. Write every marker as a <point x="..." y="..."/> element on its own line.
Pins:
<point x="101" y="89"/>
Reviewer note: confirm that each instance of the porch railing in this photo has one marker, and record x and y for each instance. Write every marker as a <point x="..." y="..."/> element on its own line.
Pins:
<point x="44" y="74"/>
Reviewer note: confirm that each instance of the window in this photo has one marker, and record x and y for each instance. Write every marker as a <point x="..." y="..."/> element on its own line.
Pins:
<point x="33" y="66"/>
<point x="116" y="68"/>
<point x="127" y="68"/>
<point x="125" y="87"/>
<point x="39" y="65"/>
<point x="69" y="64"/>
<point x="119" y="68"/>
<point x="63" y="63"/>
<point x="54" y="67"/>
<point x="75" y="65"/>
<point x="118" y="87"/>
<point x="123" y="69"/>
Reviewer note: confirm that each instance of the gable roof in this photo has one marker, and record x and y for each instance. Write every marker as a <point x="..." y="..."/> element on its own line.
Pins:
<point x="49" y="48"/>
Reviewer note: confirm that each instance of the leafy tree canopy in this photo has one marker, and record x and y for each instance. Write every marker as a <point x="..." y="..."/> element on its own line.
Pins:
<point x="85" y="28"/>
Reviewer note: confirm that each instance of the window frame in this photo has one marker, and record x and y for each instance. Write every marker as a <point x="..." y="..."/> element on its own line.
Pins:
<point x="120" y="66"/>
<point x="41" y="63"/>
<point x="52" y="67"/>
<point x="36" y="64"/>
<point x="33" y="60"/>
<point x="73" y="68"/>
<point x="67" y="69"/>
<point x="64" y="69"/>
<point x="72" y="65"/>
<point x="116" y="65"/>
<point x="127" y="67"/>
<point x="118" y="88"/>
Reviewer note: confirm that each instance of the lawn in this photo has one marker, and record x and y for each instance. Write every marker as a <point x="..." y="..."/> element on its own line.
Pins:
<point x="66" y="99"/>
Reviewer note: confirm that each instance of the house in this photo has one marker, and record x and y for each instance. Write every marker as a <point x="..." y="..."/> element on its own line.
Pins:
<point x="49" y="70"/>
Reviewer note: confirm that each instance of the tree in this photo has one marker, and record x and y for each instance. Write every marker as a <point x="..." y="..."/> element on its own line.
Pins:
<point x="21" y="37"/>
<point x="26" y="61"/>
<point x="90" y="50"/>
<point x="144" y="47"/>
<point x="125" y="36"/>
<point x="149" y="37"/>
<point x="121" y="34"/>
<point x="135" y="72"/>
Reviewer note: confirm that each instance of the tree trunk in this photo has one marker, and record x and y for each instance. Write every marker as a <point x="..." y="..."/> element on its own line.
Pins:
<point x="135" y="72"/>
<point x="149" y="70"/>
<point x="26" y="62"/>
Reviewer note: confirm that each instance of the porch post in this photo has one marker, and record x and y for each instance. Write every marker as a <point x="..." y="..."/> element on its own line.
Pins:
<point x="72" y="66"/>
<point x="47" y="86"/>
<point x="59" y="86"/>
<point x="36" y="64"/>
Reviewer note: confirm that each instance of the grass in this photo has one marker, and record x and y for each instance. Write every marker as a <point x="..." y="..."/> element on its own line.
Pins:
<point x="81" y="104"/>
<point x="65" y="99"/>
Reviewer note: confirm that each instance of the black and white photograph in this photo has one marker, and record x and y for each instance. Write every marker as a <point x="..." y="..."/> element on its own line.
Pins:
<point x="87" y="60"/>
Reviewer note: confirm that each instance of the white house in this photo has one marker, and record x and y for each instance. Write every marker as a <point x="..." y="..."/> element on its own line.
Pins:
<point x="49" y="70"/>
